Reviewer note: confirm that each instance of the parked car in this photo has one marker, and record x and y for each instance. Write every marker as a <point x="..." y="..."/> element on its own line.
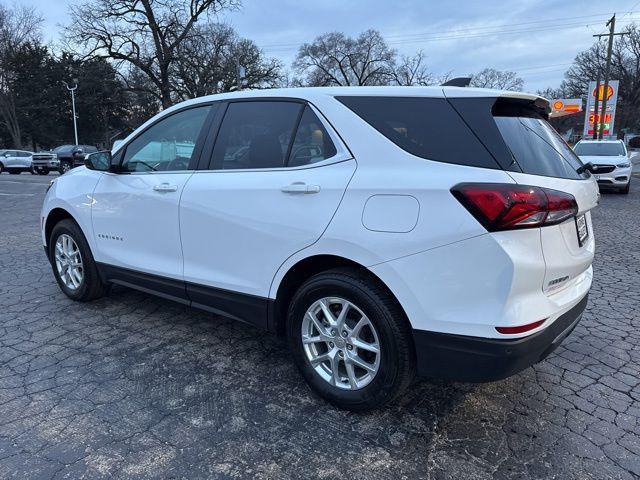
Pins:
<point x="386" y="231"/>
<point x="71" y="156"/>
<point x="609" y="162"/>
<point x="15" y="161"/>
<point x="44" y="162"/>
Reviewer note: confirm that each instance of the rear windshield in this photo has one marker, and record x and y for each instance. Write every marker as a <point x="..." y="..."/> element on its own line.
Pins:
<point x="535" y="145"/>
<point x="597" y="149"/>
<point x="426" y="127"/>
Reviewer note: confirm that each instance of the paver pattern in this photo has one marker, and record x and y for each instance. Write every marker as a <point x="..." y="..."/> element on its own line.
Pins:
<point x="131" y="386"/>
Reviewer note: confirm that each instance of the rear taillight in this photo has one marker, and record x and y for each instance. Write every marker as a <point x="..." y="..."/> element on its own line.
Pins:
<point x="500" y="206"/>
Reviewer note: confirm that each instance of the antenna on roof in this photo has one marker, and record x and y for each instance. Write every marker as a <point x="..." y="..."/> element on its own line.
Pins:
<point x="457" y="82"/>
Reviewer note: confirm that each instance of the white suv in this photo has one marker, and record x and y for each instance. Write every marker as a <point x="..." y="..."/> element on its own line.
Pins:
<point x="609" y="162"/>
<point x="386" y="231"/>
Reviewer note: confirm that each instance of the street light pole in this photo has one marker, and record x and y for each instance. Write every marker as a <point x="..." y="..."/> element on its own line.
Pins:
<point x="73" y="105"/>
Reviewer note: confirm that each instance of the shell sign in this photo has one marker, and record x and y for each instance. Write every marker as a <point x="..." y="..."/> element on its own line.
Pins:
<point x="601" y="92"/>
<point x="565" y="106"/>
<point x="593" y="118"/>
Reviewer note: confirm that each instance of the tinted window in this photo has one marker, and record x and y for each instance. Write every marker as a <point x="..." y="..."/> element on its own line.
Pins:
<point x="426" y="127"/>
<point x="312" y="143"/>
<point x="255" y="135"/>
<point x="537" y="147"/>
<point x="597" y="149"/>
<point x="168" y="145"/>
<point x="24" y="154"/>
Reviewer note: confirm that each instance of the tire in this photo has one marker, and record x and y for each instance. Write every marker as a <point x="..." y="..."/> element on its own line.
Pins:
<point x="1" y="168"/>
<point x="91" y="286"/>
<point x="64" y="167"/>
<point x="43" y="171"/>
<point x="625" y="190"/>
<point x="395" y="360"/>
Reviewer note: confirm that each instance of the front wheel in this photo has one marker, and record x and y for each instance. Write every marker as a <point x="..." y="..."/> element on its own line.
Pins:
<point x="350" y="340"/>
<point x="73" y="264"/>
<point x="64" y="167"/>
<point x="625" y="190"/>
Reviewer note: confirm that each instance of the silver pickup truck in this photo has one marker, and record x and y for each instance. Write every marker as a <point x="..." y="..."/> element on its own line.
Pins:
<point x="43" y="162"/>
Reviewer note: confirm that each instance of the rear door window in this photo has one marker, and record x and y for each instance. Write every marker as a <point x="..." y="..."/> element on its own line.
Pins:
<point x="426" y="127"/>
<point x="535" y="145"/>
<point x="311" y="143"/>
<point x="256" y="134"/>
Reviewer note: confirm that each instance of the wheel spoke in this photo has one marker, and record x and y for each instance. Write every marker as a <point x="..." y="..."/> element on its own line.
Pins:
<point x="327" y="312"/>
<point x="321" y="328"/>
<point x="321" y="359"/>
<point x="370" y="347"/>
<point x="343" y="314"/>
<point x="361" y="323"/>
<point x="335" y="370"/>
<point x="353" y="383"/>
<point x="362" y="364"/>
<point x="307" y="340"/>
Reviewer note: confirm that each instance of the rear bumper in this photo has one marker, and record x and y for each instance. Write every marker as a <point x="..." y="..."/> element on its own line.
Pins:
<point x="475" y="359"/>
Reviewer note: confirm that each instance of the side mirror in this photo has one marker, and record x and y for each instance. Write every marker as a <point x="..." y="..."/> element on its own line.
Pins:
<point x="100" y="161"/>
<point x="585" y="167"/>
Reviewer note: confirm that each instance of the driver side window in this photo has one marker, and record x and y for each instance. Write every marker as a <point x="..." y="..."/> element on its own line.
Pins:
<point x="168" y="145"/>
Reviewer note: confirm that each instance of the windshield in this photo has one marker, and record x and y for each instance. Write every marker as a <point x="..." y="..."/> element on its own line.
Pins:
<point x="63" y="148"/>
<point x="598" y="149"/>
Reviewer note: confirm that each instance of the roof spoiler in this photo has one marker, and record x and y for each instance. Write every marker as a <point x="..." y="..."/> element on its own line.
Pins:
<point x="457" y="82"/>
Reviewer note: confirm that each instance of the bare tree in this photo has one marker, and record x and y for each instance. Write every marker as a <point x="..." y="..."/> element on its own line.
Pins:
<point x="207" y="62"/>
<point x="502" y="80"/>
<point x="143" y="33"/>
<point x="412" y="71"/>
<point x="336" y="59"/>
<point x="625" y="67"/>
<point x="18" y="26"/>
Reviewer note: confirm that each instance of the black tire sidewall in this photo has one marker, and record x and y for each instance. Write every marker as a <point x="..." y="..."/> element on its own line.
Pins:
<point x="70" y="228"/>
<point x="384" y="383"/>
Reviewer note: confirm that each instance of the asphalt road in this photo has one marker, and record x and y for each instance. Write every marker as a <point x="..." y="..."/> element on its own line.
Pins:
<point x="136" y="387"/>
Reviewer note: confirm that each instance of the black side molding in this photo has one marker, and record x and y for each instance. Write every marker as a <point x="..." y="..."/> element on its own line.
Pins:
<point x="246" y="308"/>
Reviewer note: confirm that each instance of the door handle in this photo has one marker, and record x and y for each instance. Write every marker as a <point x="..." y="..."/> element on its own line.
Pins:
<point x="165" y="187"/>
<point x="300" y="187"/>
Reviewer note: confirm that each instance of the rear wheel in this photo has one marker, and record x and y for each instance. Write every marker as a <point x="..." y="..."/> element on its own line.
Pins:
<point x="350" y="340"/>
<point x="64" y="167"/>
<point x="73" y="264"/>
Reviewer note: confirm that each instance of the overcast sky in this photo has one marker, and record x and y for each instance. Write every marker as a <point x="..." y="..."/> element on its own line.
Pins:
<point x="536" y="38"/>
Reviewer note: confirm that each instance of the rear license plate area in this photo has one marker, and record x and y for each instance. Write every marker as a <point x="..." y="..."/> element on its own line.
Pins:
<point x="581" y="229"/>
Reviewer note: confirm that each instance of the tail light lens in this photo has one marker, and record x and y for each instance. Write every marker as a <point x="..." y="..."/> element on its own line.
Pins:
<point x="500" y="206"/>
<point x="520" y="328"/>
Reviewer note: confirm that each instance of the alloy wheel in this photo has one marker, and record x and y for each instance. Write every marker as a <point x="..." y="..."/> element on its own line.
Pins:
<point x="69" y="262"/>
<point x="341" y="343"/>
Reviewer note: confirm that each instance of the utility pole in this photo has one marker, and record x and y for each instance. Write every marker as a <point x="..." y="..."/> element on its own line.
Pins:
<point x="612" y="27"/>
<point x="73" y="105"/>
<point x="596" y="124"/>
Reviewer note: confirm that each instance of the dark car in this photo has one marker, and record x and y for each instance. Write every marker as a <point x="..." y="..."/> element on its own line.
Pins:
<point x="71" y="156"/>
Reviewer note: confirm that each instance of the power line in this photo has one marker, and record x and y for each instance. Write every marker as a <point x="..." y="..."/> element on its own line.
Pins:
<point x="452" y="35"/>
